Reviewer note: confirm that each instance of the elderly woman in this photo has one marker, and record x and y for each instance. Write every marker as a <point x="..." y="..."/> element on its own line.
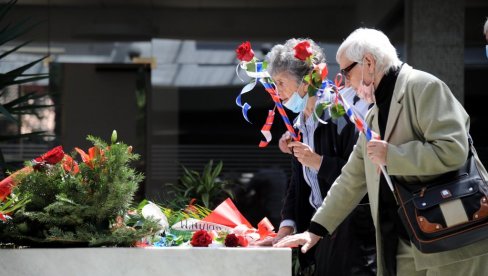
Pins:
<point x="425" y="131"/>
<point x="317" y="161"/>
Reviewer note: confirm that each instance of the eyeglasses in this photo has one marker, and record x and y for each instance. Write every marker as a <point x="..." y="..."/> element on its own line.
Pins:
<point x="345" y="71"/>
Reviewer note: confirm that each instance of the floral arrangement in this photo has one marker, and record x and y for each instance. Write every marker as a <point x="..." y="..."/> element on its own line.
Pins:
<point x="71" y="203"/>
<point x="318" y="84"/>
<point x="196" y="226"/>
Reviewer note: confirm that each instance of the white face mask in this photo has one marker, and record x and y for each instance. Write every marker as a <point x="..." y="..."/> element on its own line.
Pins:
<point x="366" y="92"/>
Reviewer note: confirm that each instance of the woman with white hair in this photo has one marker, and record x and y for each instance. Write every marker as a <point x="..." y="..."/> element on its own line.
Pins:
<point x="424" y="135"/>
<point x="317" y="161"/>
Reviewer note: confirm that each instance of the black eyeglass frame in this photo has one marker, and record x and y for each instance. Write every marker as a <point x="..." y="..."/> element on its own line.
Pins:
<point x="345" y="71"/>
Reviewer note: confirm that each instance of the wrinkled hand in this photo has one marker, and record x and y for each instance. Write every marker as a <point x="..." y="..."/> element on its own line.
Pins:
<point x="283" y="143"/>
<point x="306" y="239"/>
<point x="305" y="155"/>
<point x="377" y="151"/>
<point x="269" y="241"/>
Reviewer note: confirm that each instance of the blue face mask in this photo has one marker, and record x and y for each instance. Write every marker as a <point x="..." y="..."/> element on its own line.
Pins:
<point x="486" y="51"/>
<point x="296" y="103"/>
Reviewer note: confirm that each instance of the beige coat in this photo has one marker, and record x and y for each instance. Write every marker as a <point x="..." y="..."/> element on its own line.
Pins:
<point x="426" y="132"/>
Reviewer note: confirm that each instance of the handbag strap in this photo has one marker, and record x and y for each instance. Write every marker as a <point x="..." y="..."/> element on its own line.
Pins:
<point x="478" y="163"/>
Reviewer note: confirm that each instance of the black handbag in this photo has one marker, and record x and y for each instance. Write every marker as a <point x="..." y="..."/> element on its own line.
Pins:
<point x="448" y="213"/>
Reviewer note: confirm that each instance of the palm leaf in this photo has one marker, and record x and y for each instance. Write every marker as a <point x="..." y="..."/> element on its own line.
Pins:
<point x="14" y="49"/>
<point x="5" y="8"/>
<point x="7" y="114"/>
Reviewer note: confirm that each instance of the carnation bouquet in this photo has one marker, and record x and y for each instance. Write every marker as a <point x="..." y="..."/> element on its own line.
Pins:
<point x="71" y="204"/>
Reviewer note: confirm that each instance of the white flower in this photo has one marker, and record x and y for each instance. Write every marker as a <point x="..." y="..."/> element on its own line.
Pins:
<point x="152" y="210"/>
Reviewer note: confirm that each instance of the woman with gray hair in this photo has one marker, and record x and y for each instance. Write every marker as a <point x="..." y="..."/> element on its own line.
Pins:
<point x="424" y="131"/>
<point x="316" y="162"/>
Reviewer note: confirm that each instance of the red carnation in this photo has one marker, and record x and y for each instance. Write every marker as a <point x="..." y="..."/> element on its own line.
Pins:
<point x="201" y="238"/>
<point x="231" y="240"/>
<point x="51" y="157"/>
<point x="303" y="50"/>
<point x="244" y="51"/>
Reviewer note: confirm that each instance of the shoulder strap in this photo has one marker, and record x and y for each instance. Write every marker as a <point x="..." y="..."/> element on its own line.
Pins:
<point x="478" y="163"/>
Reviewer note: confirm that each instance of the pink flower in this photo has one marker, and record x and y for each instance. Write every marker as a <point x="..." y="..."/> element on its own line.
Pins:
<point x="303" y="50"/>
<point x="244" y="52"/>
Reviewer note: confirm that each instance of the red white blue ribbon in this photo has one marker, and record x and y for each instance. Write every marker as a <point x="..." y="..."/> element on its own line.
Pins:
<point x="262" y="76"/>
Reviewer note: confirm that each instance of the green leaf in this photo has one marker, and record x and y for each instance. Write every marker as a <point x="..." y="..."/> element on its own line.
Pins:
<point x="14" y="49"/>
<point x="337" y="111"/>
<point x="251" y="66"/>
<point x="217" y="169"/>
<point x="7" y="114"/>
<point x="205" y="200"/>
<point x="311" y="91"/>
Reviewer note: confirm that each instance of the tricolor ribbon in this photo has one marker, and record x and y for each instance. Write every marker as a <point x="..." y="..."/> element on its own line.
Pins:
<point x="262" y="76"/>
<point x="360" y="124"/>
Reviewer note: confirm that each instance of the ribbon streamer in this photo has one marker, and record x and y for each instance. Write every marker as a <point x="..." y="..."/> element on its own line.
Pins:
<point x="362" y="126"/>
<point x="263" y="77"/>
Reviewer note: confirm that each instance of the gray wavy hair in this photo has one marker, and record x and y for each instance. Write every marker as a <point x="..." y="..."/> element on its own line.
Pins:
<point x="282" y="58"/>
<point x="374" y="42"/>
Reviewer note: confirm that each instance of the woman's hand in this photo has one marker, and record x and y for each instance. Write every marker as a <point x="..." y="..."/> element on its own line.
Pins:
<point x="306" y="239"/>
<point x="377" y="151"/>
<point x="283" y="143"/>
<point x="305" y="155"/>
<point x="282" y="232"/>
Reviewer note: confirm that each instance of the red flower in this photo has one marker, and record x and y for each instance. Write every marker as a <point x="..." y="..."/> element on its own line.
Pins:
<point x="231" y="240"/>
<point x="243" y="242"/>
<point x="89" y="158"/>
<point x="303" y="50"/>
<point x="244" y="51"/>
<point x="2" y="217"/>
<point x="201" y="238"/>
<point x="70" y="165"/>
<point x="52" y="157"/>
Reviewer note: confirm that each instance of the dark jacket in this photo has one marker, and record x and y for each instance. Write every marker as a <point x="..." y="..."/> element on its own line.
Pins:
<point x="351" y="247"/>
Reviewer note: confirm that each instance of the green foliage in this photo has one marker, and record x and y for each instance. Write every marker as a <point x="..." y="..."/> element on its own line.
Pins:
<point x="206" y="187"/>
<point x="13" y="203"/>
<point x="17" y="76"/>
<point x="80" y="208"/>
<point x="337" y="111"/>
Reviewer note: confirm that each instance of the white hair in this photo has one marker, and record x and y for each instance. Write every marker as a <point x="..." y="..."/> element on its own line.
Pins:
<point x="374" y="42"/>
<point x="281" y="58"/>
<point x="485" y="29"/>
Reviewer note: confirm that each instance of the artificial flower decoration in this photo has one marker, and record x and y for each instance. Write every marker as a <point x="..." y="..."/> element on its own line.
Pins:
<point x="51" y="157"/>
<point x="257" y="71"/>
<point x="303" y="50"/>
<point x="201" y="238"/>
<point x="244" y="52"/>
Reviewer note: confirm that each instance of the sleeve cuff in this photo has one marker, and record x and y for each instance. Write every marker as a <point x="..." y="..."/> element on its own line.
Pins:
<point x="317" y="229"/>
<point x="290" y="223"/>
